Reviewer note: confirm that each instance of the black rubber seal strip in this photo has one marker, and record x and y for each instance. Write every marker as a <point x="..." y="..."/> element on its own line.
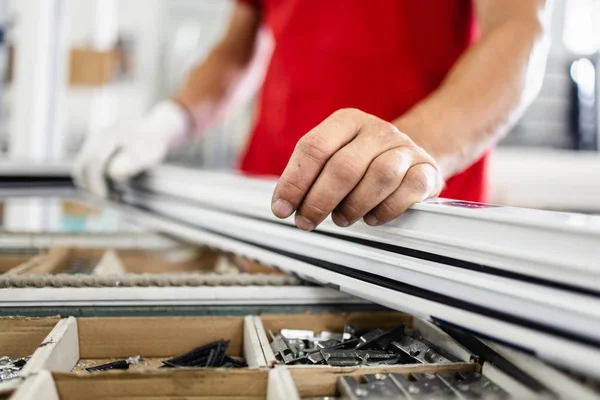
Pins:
<point x="462" y="264"/>
<point x="11" y="181"/>
<point x="405" y="251"/>
<point x="399" y="286"/>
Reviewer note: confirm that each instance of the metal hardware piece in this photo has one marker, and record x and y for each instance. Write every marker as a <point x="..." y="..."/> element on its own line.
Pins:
<point x="299" y="334"/>
<point x="7" y="376"/>
<point x="473" y="385"/>
<point x="343" y="358"/>
<point x="328" y="344"/>
<point x="376" y="387"/>
<point x="423" y="387"/>
<point x="121" y="364"/>
<point x="369" y="338"/>
<point x="417" y="350"/>
<point x="11" y="369"/>
<point x="282" y="349"/>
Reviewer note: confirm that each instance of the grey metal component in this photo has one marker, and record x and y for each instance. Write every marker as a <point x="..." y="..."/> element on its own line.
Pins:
<point x="418" y="350"/>
<point x="316" y="357"/>
<point x="368" y="337"/>
<point x="376" y="387"/>
<point x="11" y="368"/>
<point x="423" y="387"/>
<point x="298" y="334"/>
<point x="473" y="385"/>
<point x="282" y="349"/>
<point x="9" y="375"/>
<point x="345" y="358"/>
<point x="325" y="344"/>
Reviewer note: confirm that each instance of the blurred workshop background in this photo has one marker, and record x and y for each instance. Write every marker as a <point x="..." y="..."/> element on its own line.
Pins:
<point x="70" y="67"/>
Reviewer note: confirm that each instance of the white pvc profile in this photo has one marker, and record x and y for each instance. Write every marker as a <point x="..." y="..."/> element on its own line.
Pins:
<point x="561" y="247"/>
<point x="173" y="296"/>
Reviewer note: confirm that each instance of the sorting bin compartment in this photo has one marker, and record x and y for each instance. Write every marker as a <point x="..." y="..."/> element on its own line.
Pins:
<point x="273" y="324"/>
<point x="79" y="343"/>
<point x="20" y="337"/>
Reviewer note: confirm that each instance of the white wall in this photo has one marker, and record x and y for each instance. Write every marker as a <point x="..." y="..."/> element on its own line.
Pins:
<point x="143" y="20"/>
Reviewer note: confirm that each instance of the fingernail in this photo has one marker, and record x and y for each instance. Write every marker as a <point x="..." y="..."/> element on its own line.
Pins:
<point x="304" y="223"/>
<point x="340" y="220"/>
<point x="371" y="219"/>
<point x="282" y="209"/>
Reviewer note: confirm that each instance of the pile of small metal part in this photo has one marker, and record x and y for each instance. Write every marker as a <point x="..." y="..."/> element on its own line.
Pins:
<point x="11" y="369"/>
<point x="212" y="355"/>
<point x="353" y="347"/>
<point x="120" y="364"/>
<point x="451" y="386"/>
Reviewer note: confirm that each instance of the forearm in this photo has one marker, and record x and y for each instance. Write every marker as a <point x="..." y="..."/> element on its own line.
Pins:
<point x="483" y="95"/>
<point x="208" y="91"/>
<point x="215" y="85"/>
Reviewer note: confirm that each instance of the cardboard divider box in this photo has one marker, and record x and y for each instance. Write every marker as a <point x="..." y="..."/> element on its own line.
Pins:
<point x="20" y="337"/>
<point x="100" y="261"/>
<point x="365" y="321"/>
<point x="57" y="260"/>
<point x="79" y="343"/>
<point x="215" y="384"/>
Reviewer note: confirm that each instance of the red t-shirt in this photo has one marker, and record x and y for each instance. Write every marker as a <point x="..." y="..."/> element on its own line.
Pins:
<point x="380" y="56"/>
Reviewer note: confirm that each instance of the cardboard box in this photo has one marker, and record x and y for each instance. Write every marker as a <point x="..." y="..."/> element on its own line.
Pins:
<point x="78" y="343"/>
<point x="366" y="321"/>
<point x="216" y="384"/>
<point x="92" y="68"/>
<point x="20" y="337"/>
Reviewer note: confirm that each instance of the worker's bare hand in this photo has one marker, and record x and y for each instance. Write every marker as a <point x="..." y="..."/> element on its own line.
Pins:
<point x="355" y="166"/>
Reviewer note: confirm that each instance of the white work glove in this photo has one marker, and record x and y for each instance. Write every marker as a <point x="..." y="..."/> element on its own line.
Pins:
<point x="126" y="150"/>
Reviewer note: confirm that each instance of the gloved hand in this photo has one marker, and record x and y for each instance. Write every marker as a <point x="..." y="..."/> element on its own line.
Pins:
<point x="125" y="150"/>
